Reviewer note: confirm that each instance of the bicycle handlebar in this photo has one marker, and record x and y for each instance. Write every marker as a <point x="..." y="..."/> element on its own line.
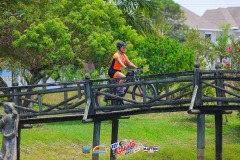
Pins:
<point x="134" y="70"/>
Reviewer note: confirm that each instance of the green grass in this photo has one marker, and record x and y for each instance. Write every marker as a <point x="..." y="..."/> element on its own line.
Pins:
<point x="174" y="133"/>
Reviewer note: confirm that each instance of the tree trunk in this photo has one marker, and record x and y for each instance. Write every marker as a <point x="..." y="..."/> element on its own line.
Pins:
<point x="5" y="91"/>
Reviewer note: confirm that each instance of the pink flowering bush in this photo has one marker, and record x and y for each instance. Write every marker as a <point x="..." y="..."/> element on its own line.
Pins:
<point x="226" y="63"/>
<point x="229" y="49"/>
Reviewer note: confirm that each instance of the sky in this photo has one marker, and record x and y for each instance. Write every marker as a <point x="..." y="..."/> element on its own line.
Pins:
<point x="200" y="6"/>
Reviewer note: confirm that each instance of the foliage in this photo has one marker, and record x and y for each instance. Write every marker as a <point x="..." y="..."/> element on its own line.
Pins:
<point x="138" y="14"/>
<point x="171" y="21"/>
<point x="154" y="17"/>
<point x="165" y="55"/>
<point x="222" y="41"/>
<point x="202" y="46"/>
<point x="97" y="27"/>
<point x="52" y="37"/>
<point x="232" y="57"/>
<point x="227" y="48"/>
<point x="44" y="46"/>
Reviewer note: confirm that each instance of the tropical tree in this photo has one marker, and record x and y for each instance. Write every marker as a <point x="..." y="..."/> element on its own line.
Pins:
<point x="203" y="48"/>
<point x="52" y="35"/>
<point x="153" y="17"/>
<point x="170" y="20"/>
<point x="223" y="39"/>
<point x="165" y="55"/>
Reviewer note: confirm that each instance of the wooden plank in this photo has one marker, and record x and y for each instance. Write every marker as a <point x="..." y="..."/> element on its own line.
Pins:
<point x="86" y="109"/>
<point x="193" y="97"/>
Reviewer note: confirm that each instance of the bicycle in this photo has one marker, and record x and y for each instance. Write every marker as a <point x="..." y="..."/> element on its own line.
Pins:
<point x="103" y="100"/>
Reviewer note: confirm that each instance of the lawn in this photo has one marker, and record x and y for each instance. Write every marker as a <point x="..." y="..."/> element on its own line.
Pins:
<point x="174" y="133"/>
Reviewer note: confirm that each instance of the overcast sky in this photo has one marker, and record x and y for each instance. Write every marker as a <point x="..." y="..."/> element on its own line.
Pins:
<point x="200" y="6"/>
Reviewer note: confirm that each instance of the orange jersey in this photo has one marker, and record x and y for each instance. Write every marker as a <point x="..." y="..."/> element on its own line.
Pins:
<point x="115" y="64"/>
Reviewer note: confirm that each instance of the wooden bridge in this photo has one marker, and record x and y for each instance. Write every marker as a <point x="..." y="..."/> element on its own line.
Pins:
<point x="196" y="92"/>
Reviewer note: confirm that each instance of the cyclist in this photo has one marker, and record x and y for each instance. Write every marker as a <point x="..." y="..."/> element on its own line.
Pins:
<point x="119" y="61"/>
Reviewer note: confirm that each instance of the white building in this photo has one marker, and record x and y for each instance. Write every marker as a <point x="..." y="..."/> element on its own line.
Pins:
<point x="209" y="23"/>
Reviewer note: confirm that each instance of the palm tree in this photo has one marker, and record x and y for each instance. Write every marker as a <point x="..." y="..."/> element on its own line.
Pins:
<point x="138" y="13"/>
<point x="157" y="17"/>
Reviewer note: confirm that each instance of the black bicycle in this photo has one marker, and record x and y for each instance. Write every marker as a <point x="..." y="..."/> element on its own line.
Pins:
<point x="104" y="96"/>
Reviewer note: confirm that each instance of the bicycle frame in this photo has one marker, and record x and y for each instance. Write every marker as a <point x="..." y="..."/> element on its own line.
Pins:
<point x="131" y="77"/>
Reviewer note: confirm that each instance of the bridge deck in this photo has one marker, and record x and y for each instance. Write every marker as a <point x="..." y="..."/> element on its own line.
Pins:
<point x="198" y="92"/>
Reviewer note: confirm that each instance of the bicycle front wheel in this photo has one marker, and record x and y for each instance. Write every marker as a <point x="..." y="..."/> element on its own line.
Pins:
<point x="138" y="92"/>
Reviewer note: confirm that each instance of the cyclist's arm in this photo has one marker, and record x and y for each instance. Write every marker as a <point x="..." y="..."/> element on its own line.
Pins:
<point x="120" y="62"/>
<point x="131" y="64"/>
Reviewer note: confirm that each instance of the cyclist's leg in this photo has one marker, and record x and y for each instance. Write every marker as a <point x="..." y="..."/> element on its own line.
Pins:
<point x="119" y="75"/>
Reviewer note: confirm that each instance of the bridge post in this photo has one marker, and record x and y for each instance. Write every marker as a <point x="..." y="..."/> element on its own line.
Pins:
<point x="218" y="116"/>
<point x="114" y="139"/>
<point x="16" y="101"/>
<point x="89" y="97"/>
<point x="96" y="138"/>
<point x="200" y="117"/>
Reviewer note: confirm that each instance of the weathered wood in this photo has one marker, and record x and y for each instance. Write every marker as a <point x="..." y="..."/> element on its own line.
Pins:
<point x="222" y="89"/>
<point x="218" y="136"/>
<point x="200" y="117"/>
<point x="188" y="79"/>
<point x="61" y="103"/>
<point x="40" y="103"/>
<point x="39" y="92"/>
<point x="219" y="71"/>
<point x="26" y="109"/>
<point x="170" y="93"/>
<point x="74" y="117"/>
<point x="162" y="103"/>
<point x="220" y="99"/>
<point x="86" y="109"/>
<point x="36" y="102"/>
<point x="89" y="96"/>
<point x="117" y="97"/>
<point x="200" y="136"/>
<point x="182" y="95"/>
<point x="230" y="86"/>
<point x="79" y="90"/>
<point x="148" y="105"/>
<point x="114" y="138"/>
<point x="220" y="92"/>
<point x="193" y="97"/>
<point x="65" y="97"/>
<point x="80" y="110"/>
<point x="96" y="138"/>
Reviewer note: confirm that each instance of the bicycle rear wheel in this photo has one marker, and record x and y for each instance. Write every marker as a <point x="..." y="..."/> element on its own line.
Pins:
<point x="137" y="93"/>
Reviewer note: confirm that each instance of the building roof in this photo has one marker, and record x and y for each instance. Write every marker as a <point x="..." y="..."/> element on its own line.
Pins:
<point x="213" y="18"/>
<point x="195" y="21"/>
<point x="224" y="15"/>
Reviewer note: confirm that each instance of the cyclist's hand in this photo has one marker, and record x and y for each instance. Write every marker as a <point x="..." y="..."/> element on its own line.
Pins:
<point x="127" y="69"/>
<point x="138" y="69"/>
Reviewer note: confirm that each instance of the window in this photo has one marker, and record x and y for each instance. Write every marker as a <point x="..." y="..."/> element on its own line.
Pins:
<point x="208" y="36"/>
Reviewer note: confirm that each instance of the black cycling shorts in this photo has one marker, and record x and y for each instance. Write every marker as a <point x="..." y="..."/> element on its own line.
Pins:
<point x="112" y="71"/>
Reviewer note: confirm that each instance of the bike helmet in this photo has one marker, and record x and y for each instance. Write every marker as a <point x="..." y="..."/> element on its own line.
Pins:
<point x="120" y="44"/>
